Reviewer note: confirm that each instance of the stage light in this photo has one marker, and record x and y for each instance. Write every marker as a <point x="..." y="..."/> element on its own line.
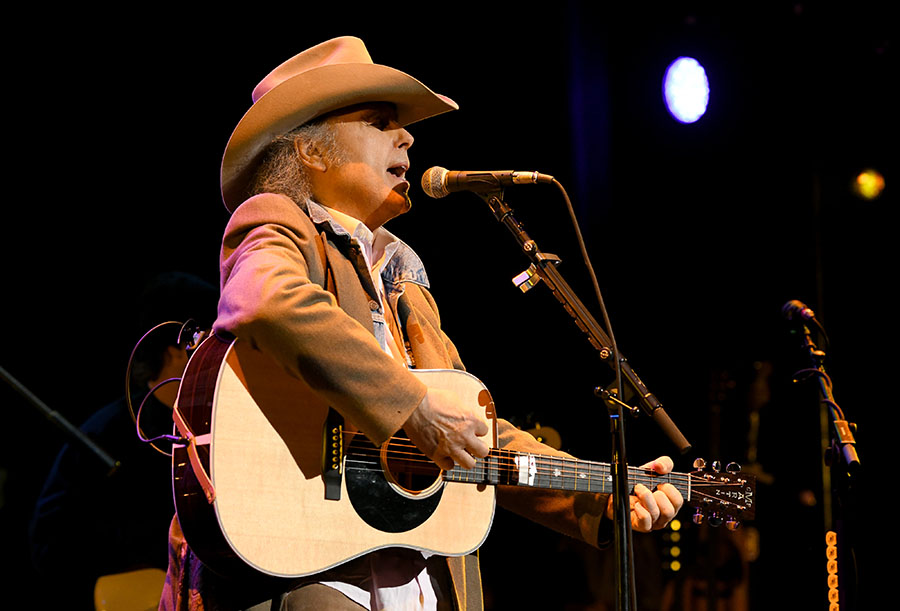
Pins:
<point x="672" y="551"/>
<point x="868" y="184"/>
<point x="686" y="89"/>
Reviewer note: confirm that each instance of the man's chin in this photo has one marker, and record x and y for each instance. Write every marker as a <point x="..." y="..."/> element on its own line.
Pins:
<point x="396" y="203"/>
<point x="403" y="190"/>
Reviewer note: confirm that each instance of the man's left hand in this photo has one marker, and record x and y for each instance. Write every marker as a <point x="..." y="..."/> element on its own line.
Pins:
<point x="652" y="509"/>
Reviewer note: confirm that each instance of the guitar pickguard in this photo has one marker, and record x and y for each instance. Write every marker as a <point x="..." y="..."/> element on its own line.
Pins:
<point x="377" y="501"/>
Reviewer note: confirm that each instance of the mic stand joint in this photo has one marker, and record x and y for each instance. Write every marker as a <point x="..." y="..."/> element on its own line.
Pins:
<point x="612" y="399"/>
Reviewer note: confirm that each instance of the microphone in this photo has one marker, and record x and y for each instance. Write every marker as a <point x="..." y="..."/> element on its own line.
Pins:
<point x="438" y="182"/>
<point x="797" y="309"/>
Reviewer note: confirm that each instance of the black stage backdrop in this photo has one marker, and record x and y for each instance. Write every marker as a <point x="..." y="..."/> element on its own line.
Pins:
<point x="699" y="234"/>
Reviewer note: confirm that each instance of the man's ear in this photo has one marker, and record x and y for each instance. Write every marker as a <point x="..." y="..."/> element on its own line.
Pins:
<point x="309" y="155"/>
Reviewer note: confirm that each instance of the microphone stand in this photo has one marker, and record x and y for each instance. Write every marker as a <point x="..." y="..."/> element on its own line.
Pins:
<point x="843" y="463"/>
<point x="544" y="266"/>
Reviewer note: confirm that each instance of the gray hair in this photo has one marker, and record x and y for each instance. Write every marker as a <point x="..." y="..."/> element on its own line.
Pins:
<point x="280" y="170"/>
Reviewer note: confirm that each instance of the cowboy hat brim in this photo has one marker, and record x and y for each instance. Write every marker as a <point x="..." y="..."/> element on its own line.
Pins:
<point x="313" y="93"/>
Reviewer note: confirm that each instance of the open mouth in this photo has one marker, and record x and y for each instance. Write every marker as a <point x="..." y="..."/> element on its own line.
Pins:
<point x="398" y="171"/>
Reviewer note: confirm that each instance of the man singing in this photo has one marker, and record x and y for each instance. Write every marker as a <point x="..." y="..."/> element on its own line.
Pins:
<point x="311" y="278"/>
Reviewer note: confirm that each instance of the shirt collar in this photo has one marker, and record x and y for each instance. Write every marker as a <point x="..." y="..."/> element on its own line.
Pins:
<point x="401" y="263"/>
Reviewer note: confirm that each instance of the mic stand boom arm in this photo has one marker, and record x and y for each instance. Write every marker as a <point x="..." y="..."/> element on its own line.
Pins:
<point x="545" y="267"/>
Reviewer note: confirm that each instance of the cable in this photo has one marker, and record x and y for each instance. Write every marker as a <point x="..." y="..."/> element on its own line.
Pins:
<point x="594" y="284"/>
<point x="135" y="416"/>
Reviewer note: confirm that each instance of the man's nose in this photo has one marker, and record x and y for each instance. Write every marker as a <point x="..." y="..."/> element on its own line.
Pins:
<point x="404" y="138"/>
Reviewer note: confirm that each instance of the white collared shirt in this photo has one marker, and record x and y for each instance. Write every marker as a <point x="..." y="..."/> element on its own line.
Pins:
<point x="416" y="594"/>
<point x="377" y="248"/>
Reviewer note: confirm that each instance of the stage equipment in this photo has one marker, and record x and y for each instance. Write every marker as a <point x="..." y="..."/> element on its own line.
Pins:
<point x="841" y="461"/>
<point x="438" y="182"/>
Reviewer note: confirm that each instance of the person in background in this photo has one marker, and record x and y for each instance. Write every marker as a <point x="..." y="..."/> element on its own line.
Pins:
<point x="88" y="522"/>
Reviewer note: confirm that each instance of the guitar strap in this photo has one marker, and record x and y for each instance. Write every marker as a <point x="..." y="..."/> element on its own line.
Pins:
<point x="330" y="285"/>
<point x="333" y="437"/>
<point x="190" y="445"/>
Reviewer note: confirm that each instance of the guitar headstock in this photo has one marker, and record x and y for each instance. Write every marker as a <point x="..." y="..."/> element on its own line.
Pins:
<point x="722" y="495"/>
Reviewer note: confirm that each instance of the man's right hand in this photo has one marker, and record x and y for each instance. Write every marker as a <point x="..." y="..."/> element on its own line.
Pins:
<point x="446" y="431"/>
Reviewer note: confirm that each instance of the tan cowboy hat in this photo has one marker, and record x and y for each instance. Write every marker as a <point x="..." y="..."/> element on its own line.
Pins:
<point x="329" y="76"/>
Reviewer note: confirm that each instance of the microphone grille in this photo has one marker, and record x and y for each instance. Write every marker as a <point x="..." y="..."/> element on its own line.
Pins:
<point x="797" y="308"/>
<point x="433" y="182"/>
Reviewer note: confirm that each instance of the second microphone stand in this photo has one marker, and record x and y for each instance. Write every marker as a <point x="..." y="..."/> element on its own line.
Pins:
<point x="543" y="265"/>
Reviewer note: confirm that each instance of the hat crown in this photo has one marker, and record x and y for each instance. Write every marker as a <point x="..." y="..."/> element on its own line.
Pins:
<point x="341" y="50"/>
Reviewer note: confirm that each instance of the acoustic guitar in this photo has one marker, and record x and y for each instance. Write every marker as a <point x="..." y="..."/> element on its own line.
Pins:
<point x="268" y="478"/>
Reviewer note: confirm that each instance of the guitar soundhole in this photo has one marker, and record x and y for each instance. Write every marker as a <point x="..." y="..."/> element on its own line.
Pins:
<point x="386" y="493"/>
<point x="408" y="469"/>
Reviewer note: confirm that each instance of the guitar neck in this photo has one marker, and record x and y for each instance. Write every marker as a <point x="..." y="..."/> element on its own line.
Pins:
<point x="510" y="468"/>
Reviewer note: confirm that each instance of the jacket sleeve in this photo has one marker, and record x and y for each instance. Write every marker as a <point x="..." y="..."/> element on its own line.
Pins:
<point x="273" y="297"/>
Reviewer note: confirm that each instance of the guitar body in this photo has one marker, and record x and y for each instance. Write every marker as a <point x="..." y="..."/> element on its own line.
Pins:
<point x="265" y="441"/>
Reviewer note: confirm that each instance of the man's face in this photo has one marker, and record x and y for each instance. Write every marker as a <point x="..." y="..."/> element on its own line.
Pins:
<point x="369" y="179"/>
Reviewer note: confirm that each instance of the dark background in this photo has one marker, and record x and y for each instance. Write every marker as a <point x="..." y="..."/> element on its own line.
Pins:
<point x="699" y="234"/>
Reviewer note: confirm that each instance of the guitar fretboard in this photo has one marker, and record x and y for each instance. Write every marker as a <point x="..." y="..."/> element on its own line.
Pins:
<point x="506" y="467"/>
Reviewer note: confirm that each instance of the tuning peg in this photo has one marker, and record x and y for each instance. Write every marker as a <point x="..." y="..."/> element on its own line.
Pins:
<point x="698" y="517"/>
<point x="716" y="466"/>
<point x="733" y="468"/>
<point x="699" y="463"/>
<point x="732" y="525"/>
<point x="715" y="521"/>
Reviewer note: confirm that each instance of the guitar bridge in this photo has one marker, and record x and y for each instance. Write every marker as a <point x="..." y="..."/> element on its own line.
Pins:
<point x="333" y="455"/>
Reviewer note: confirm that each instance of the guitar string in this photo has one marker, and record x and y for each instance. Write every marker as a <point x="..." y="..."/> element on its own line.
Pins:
<point x="569" y="468"/>
<point x="464" y="475"/>
<point x="590" y="469"/>
<point x="564" y="465"/>
<point x="593" y="471"/>
<point x="473" y="476"/>
<point x="559" y="466"/>
<point x="696" y="487"/>
<point x="636" y="475"/>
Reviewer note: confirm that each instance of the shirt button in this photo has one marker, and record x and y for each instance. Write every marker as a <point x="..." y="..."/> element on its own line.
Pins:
<point x="373" y="305"/>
